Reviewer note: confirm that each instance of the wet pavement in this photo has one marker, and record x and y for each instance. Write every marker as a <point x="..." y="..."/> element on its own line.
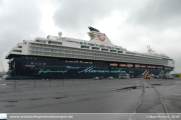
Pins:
<point x="90" y="96"/>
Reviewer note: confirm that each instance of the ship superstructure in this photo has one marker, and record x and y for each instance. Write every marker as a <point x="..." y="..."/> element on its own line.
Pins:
<point x="64" y="57"/>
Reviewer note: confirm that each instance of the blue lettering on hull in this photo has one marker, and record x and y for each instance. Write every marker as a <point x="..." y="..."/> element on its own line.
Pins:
<point x="90" y="70"/>
<point x="46" y="71"/>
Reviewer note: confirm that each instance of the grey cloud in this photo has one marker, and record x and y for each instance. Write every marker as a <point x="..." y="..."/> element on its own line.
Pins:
<point x="76" y="14"/>
<point x="21" y="16"/>
<point x="19" y="20"/>
<point x="160" y="13"/>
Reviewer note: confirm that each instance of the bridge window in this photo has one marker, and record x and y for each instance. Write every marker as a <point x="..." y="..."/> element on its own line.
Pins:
<point x="112" y="50"/>
<point x="95" y="48"/>
<point x="54" y="42"/>
<point x="130" y="53"/>
<point x="105" y="49"/>
<point x="85" y="47"/>
<point x="120" y="51"/>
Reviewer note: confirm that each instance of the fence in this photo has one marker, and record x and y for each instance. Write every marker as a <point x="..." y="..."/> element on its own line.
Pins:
<point x="16" y="84"/>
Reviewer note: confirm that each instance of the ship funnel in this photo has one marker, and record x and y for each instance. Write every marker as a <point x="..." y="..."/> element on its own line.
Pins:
<point x="150" y="50"/>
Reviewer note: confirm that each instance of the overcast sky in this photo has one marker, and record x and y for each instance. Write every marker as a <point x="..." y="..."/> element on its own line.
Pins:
<point x="133" y="24"/>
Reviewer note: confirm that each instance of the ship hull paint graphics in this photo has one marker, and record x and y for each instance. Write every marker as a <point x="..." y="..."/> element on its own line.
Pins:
<point x="91" y="70"/>
<point x="144" y="72"/>
<point x="69" y="74"/>
<point x="160" y="73"/>
<point x="147" y="72"/>
<point x="63" y="70"/>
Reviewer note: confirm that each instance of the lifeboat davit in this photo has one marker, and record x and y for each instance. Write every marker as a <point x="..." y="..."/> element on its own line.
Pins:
<point x="137" y="65"/>
<point x="129" y="65"/>
<point x="122" y="65"/>
<point x="113" y="64"/>
<point x="160" y="67"/>
<point x="142" y="66"/>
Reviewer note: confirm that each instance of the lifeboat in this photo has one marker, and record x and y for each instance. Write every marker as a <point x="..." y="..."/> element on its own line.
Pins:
<point x="160" y="67"/>
<point x="137" y="65"/>
<point x="113" y="64"/>
<point x="122" y="65"/>
<point x="142" y="66"/>
<point x="149" y="66"/>
<point x="129" y="65"/>
<point x="153" y="66"/>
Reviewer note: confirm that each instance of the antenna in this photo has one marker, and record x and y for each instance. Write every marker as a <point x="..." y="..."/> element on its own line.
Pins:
<point x="2" y="67"/>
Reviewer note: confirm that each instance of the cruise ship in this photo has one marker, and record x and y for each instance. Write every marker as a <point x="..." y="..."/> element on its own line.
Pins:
<point x="57" y="57"/>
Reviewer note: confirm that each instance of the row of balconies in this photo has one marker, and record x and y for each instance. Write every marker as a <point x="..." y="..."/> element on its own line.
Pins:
<point x="99" y="54"/>
<point x="107" y="58"/>
<point x="75" y="52"/>
<point x="102" y="52"/>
